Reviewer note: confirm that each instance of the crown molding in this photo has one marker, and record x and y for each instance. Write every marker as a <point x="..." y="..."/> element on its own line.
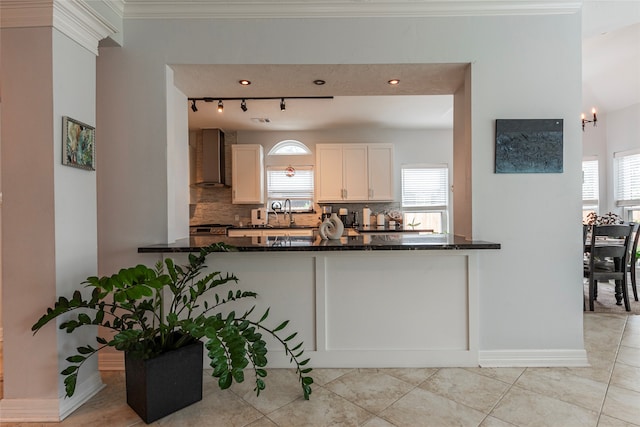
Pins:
<point x="242" y="9"/>
<point x="80" y="22"/>
<point x="74" y="18"/>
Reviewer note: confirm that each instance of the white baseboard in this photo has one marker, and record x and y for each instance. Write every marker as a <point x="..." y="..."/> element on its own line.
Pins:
<point x="48" y="410"/>
<point x="29" y="410"/>
<point x="533" y="358"/>
<point x="83" y="393"/>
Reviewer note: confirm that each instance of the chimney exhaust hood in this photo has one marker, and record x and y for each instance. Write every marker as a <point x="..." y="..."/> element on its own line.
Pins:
<point x="212" y="170"/>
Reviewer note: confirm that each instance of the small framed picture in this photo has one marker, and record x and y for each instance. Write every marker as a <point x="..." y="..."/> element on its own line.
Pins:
<point x="78" y="144"/>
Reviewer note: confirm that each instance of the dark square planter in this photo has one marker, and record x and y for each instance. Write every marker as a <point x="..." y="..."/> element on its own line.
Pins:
<point x="165" y="384"/>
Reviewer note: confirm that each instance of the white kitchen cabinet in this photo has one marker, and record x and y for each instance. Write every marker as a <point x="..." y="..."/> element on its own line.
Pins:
<point x="380" y="163"/>
<point x="329" y="172"/>
<point x="354" y="172"/>
<point x="247" y="174"/>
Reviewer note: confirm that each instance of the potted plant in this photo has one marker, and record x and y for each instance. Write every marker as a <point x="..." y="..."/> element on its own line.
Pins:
<point x="156" y="315"/>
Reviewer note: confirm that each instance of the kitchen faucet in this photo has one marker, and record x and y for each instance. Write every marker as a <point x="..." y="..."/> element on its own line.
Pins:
<point x="291" y="220"/>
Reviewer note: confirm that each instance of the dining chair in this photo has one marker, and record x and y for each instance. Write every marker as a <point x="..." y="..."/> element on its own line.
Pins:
<point x="608" y="252"/>
<point x="633" y="259"/>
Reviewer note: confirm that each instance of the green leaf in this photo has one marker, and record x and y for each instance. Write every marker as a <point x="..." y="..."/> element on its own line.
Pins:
<point x="84" y="318"/>
<point x="264" y="316"/>
<point x="85" y="350"/>
<point x="225" y="380"/>
<point x="70" y="384"/>
<point x="281" y="326"/>
<point x="69" y="370"/>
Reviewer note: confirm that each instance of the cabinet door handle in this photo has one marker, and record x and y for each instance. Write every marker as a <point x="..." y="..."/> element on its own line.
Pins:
<point x="371" y="193"/>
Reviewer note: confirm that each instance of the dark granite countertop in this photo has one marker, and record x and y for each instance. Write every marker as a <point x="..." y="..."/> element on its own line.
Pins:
<point x="363" y="242"/>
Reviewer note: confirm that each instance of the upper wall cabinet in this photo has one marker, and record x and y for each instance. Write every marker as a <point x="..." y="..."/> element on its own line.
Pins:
<point x="247" y="174"/>
<point x="380" y="163"/>
<point x="354" y="172"/>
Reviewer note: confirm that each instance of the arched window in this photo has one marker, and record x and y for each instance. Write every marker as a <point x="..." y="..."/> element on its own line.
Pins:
<point x="289" y="147"/>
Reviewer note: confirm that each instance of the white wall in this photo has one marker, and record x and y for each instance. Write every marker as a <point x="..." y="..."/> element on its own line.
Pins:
<point x="623" y="134"/>
<point x="594" y="144"/>
<point x="616" y="131"/>
<point x="177" y="162"/>
<point x="27" y="213"/>
<point x="49" y="236"/>
<point x="76" y="242"/>
<point x="513" y="75"/>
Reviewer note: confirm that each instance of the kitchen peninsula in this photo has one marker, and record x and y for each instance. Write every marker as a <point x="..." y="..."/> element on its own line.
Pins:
<point x="369" y="300"/>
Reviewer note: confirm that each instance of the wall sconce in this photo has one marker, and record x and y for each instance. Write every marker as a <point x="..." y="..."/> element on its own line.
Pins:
<point x="585" y="121"/>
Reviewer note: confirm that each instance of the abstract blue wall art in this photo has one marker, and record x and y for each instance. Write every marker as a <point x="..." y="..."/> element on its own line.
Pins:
<point x="529" y="146"/>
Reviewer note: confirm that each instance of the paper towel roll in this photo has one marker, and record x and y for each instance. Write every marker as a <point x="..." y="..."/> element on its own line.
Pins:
<point x="366" y="217"/>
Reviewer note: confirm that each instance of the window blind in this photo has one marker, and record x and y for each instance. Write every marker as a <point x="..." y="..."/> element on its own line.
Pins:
<point x="590" y="182"/>
<point x="425" y="186"/>
<point x="627" y="178"/>
<point x="298" y="187"/>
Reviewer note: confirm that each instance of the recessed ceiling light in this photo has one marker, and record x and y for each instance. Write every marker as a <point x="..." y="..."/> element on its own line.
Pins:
<point x="244" y="82"/>
<point x="394" y="82"/>
<point x="319" y="82"/>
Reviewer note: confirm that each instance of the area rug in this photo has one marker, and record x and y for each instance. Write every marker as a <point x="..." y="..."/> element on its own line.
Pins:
<point x="606" y="302"/>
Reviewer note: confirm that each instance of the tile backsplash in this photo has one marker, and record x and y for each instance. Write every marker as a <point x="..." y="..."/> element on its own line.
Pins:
<point x="214" y="206"/>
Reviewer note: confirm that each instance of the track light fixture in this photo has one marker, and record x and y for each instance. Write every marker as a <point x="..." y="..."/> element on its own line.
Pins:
<point x="243" y="103"/>
<point x="585" y="121"/>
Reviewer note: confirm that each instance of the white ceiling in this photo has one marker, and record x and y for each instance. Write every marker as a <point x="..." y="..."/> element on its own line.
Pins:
<point x="611" y="66"/>
<point x="610" y="55"/>
<point x="361" y="95"/>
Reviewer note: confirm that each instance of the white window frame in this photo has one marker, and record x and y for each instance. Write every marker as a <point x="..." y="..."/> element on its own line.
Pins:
<point x="439" y="202"/>
<point x="592" y="184"/>
<point x="294" y="196"/>
<point x="626" y="178"/>
<point x="290" y="147"/>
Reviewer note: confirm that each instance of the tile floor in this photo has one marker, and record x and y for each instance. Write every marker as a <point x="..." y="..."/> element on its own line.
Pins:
<point x="607" y="394"/>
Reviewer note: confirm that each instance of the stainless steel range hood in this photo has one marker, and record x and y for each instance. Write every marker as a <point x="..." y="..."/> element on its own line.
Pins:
<point x="211" y="171"/>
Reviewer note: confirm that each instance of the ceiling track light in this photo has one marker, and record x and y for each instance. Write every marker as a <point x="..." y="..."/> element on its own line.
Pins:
<point x="585" y="121"/>
<point x="243" y="104"/>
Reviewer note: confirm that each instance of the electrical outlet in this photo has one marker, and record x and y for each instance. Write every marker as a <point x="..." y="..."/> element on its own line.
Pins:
<point x="237" y="218"/>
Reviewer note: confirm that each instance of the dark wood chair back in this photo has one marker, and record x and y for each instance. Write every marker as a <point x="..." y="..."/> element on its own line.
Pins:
<point x="633" y="259"/>
<point x="608" y="253"/>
